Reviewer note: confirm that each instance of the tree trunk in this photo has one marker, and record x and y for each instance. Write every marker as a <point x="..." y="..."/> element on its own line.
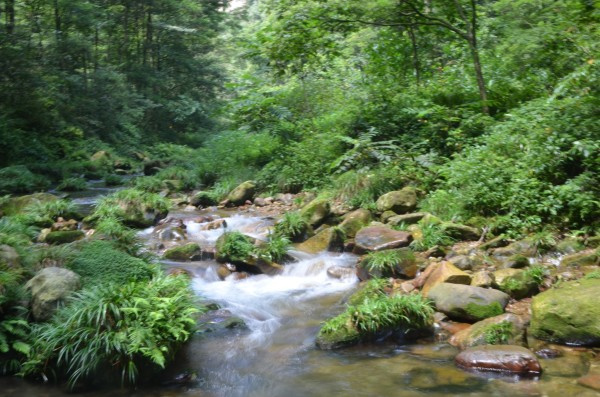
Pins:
<point x="10" y="16"/>
<point x="415" y="56"/>
<point x="479" y="76"/>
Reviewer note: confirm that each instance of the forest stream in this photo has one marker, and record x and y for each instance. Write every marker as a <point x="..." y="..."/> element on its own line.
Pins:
<point x="274" y="353"/>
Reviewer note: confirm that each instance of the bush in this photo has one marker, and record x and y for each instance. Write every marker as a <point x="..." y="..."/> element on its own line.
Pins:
<point x="432" y="234"/>
<point x="113" y="180"/>
<point x="18" y="179"/>
<point x="100" y="262"/>
<point x="115" y="331"/>
<point x="45" y="213"/>
<point x="275" y="249"/>
<point x="235" y="247"/>
<point x="131" y="206"/>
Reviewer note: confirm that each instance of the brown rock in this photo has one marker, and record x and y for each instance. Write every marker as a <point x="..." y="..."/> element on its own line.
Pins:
<point x="504" y="358"/>
<point x="377" y="238"/>
<point x="445" y="272"/>
<point x="340" y="272"/>
<point x="482" y="279"/>
<point x="219" y="223"/>
<point x="475" y="335"/>
<point x="62" y="225"/>
<point x="590" y="380"/>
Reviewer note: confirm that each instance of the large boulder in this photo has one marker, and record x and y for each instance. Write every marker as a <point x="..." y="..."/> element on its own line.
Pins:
<point x="568" y="314"/>
<point x="49" y="288"/>
<point x="467" y="303"/>
<point x="406" y="219"/>
<point x="504" y="358"/>
<point x="354" y="221"/>
<point x="399" y="201"/>
<point x="330" y="239"/>
<point x="316" y="211"/>
<point x="443" y="272"/>
<point x="515" y="282"/>
<point x="9" y="257"/>
<point x="506" y="329"/>
<point x="239" y="195"/>
<point x="16" y="204"/>
<point x="378" y="238"/>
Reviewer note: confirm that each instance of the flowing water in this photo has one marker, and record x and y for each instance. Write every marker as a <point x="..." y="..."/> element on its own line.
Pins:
<point x="276" y="354"/>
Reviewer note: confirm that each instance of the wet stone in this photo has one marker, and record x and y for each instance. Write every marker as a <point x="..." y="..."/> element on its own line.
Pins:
<point x="219" y="320"/>
<point x="505" y="359"/>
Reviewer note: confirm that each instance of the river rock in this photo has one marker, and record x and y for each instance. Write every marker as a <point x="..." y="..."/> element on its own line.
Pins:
<point x="378" y="238"/>
<point x="218" y="224"/>
<point x="64" y="237"/>
<point x="568" y="313"/>
<point x="243" y="192"/>
<point x="467" y="303"/>
<point x="399" y="201"/>
<point x="523" y="247"/>
<point x="515" y="283"/>
<point x="187" y="252"/>
<point x="503" y="358"/>
<point x="482" y="278"/>
<point x="49" y="288"/>
<point x="316" y="212"/>
<point x="354" y="221"/>
<point x="62" y="225"/>
<point x="203" y="199"/>
<point x="460" y="232"/>
<point x="218" y="321"/>
<point x="406" y="219"/>
<point x="584" y="258"/>
<point x="340" y="272"/>
<point x="481" y="332"/>
<point x="9" y="257"/>
<point x="591" y="381"/>
<point x="330" y="239"/>
<point x="444" y="272"/>
<point x="16" y="204"/>
<point x="516" y="261"/>
<point x="170" y="230"/>
<point x="405" y="266"/>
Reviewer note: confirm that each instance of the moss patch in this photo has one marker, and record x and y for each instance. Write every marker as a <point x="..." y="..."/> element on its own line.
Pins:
<point x="480" y="312"/>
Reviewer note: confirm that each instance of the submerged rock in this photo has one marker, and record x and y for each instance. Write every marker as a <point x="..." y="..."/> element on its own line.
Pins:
<point x="509" y="359"/>
<point x="568" y="314"/>
<point x="219" y="320"/>
<point x="49" y="289"/>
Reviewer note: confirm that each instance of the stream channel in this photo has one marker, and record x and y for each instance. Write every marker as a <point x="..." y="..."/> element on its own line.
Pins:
<point x="276" y="354"/>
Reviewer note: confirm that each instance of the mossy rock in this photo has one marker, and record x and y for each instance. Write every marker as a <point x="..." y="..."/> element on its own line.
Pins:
<point x="516" y="261"/>
<point x="343" y="333"/>
<point x="234" y="247"/>
<point x="329" y="239"/>
<point x="183" y="253"/>
<point x="467" y="303"/>
<point x="584" y="258"/>
<point x="515" y="283"/>
<point x="239" y="195"/>
<point x="406" y="219"/>
<point x="203" y="199"/>
<point x="460" y="232"/>
<point x="399" y="201"/>
<point x="17" y="204"/>
<point x="404" y="265"/>
<point x="64" y="237"/>
<point x="316" y="212"/>
<point x="568" y="314"/>
<point x="505" y="329"/>
<point x="354" y="221"/>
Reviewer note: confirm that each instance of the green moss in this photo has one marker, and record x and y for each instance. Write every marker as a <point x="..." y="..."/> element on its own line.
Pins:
<point x="64" y="237"/>
<point x="234" y="247"/>
<point x="182" y="253"/>
<point x="100" y="262"/>
<point x="338" y="332"/>
<point x="388" y="263"/>
<point x="370" y="290"/>
<point x="480" y="312"/>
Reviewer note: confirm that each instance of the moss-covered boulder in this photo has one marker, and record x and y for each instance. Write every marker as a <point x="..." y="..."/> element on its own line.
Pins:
<point x="460" y="232"/>
<point x="203" y="199"/>
<point x="239" y="195"/>
<point x="49" y="289"/>
<point x="505" y="329"/>
<point x="467" y="303"/>
<point x="399" y="201"/>
<point x="354" y="221"/>
<point x="316" y="211"/>
<point x="183" y="253"/>
<point x="329" y="239"/>
<point x="568" y="314"/>
<point x="397" y="263"/>
<point x="379" y="238"/>
<point x="405" y="219"/>
<point x="17" y="204"/>
<point x="584" y="258"/>
<point x="516" y="261"/>
<point x="64" y="237"/>
<point x="515" y="282"/>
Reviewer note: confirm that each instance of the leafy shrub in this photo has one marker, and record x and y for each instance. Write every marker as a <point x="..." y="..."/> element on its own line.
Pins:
<point x="432" y="234"/>
<point x="235" y="247"/>
<point x="74" y="184"/>
<point x="292" y="226"/>
<point x="18" y="179"/>
<point x="47" y="212"/>
<point x="123" y="236"/>
<point x="275" y="249"/>
<point x="100" y="262"/>
<point x="371" y="290"/>
<point x="115" y="331"/>
<point x="128" y="205"/>
<point x="113" y="180"/>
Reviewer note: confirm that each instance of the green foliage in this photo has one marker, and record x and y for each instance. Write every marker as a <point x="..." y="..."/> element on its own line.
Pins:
<point x="535" y="274"/>
<point x="592" y="275"/>
<point x="73" y="184"/>
<point x="100" y="262"/>
<point x="113" y="229"/>
<point x="275" y="249"/>
<point x="18" y="179"/>
<point x="45" y="213"/>
<point x="497" y="334"/>
<point x="481" y="312"/>
<point x="384" y="262"/>
<point x="292" y="226"/>
<point x="113" y="180"/>
<point x="117" y="205"/>
<point x="432" y="234"/>
<point x="371" y="290"/>
<point x="236" y="247"/>
<point x="115" y="331"/>
<point x="15" y="233"/>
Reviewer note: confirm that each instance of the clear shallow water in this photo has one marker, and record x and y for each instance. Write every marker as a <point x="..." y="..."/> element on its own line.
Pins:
<point x="276" y="355"/>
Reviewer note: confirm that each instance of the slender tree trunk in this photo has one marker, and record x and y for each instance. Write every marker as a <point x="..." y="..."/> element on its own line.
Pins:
<point x="149" y="39"/>
<point x="415" y="56"/>
<point x="57" y="22"/>
<point x="479" y="76"/>
<point x="10" y="16"/>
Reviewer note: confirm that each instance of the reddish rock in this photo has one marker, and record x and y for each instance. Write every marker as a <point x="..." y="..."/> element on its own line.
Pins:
<point x="445" y="272"/>
<point x="503" y="358"/>
<point x="377" y="238"/>
<point x="590" y="380"/>
<point x="454" y="328"/>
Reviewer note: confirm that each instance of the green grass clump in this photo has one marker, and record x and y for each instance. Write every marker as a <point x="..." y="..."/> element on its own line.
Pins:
<point x="45" y="213"/>
<point x="373" y="288"/>
<point x="150" y="184"/>
<point x="112" y="180"/>
<point x="74" y="184"/>
<point x="480" y="312"/>
<point x="293" y="226"/>
<point x="235" y="247"/>
<point x="593" y="275"/>
<point x="275" y="249"/>
<point x="535" y="274"/>
<point x="18" y="179"/>
<point x="130" y="207"/>
<point x="432" y="235"/>
<point x="115" y="331"/>
<point x="497" y="334"/>
<point x="100" y="262"/>
<point x="384" y="263"/>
